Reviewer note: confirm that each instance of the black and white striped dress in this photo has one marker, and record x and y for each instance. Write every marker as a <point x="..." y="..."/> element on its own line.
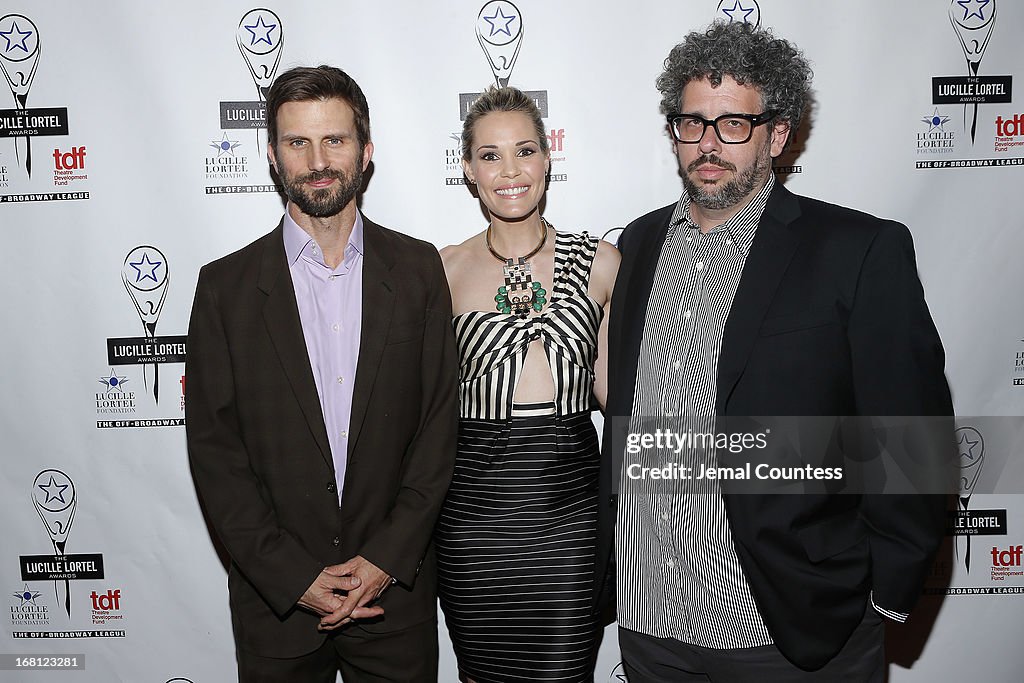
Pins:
<point x="516" y="537"/>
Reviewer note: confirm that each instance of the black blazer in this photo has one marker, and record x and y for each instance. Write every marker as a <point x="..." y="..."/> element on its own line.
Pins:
<point x="829" y="318"/>
<point x="259" y="450"/>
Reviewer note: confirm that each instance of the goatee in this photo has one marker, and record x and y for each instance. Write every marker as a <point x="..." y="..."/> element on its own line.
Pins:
<point x="326" y="202"/>
<point x="733" y="192"/>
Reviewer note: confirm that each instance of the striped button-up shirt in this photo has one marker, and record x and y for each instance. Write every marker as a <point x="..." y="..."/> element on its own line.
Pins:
<point x="678" y="575"/>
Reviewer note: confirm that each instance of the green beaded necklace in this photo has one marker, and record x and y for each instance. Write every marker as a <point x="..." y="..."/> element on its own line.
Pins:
<point x="520" y="292"/>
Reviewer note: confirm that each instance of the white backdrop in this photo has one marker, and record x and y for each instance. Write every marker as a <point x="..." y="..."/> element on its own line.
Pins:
<point x="139" y="175"/>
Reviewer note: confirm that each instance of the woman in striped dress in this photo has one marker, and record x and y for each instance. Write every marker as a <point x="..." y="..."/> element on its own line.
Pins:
<point x="516" y="537"/>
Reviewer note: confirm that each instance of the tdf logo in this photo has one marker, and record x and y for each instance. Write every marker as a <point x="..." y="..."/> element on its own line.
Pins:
<point x="1010" y="557"/>
<point x="1010" y="127"/>
<point x="111" y="600"/>
<point x="69" y="161"/>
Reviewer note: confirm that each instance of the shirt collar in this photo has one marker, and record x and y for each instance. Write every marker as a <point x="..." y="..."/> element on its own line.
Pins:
<point x="296" y="239"/>
<point x="740" y="228"/>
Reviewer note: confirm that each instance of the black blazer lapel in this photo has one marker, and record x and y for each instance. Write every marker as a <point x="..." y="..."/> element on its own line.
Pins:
<point x="641" y="253"/>
<point x="281" y="315"/>
<point x="772" y="249"/>
<point x="378" y="305"/>
<point x="641" y="247"/>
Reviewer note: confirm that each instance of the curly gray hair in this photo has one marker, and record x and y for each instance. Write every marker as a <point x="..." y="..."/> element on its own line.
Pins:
<point x="751" y="56"/>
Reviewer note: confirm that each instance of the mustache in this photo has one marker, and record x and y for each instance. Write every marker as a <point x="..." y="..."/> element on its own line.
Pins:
<point x="710" y="160"/>
<point x="316" y="176"/>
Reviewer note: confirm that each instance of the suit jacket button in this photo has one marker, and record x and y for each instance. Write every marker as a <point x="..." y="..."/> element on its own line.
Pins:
<point x="336" y="541"/>
<point x="332" y="487"/>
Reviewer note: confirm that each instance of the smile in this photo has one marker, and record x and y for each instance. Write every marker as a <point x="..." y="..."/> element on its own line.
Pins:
<point x="512" y="191"/>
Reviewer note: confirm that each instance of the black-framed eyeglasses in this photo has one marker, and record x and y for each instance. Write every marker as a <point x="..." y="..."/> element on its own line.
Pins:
<point x="732" y="129"/>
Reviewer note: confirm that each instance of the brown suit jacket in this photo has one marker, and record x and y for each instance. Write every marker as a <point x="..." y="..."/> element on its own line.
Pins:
<point x="259" y="450"/>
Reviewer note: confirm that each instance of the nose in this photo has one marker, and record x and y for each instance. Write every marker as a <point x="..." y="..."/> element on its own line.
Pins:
<point x="509" y="167"/>
<point x="317" y="159"/>
<point x="709" y="142"/>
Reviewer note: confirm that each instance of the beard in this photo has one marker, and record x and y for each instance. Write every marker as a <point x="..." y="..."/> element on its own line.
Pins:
<point x="325" y="202"/>
<point x="733" y="192"/>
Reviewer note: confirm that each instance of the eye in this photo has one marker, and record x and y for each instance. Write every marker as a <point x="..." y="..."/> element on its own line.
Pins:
<point x="489" y="156"/>
<point x="691" y="123"/>
<point x="526" y="151"/>
<point x="296" y="143"/>
<point x="735" y="123"/>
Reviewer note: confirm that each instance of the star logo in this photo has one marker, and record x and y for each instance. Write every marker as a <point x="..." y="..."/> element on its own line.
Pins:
<point x="224" y="146"/>
<point x="54" y="491"/>
<point x="27" y="597"/>
<point x="736" y="8"/>
<point x="18" y="43"/>
<point x="978" y="11"/>
<point x="497" y="18"/>
<point x="145" y="264"/>
<point x="936" y="120"/>
<point x="965" y="446"/>
<point x="263" y="30"/>
<point x="114" y="381"/>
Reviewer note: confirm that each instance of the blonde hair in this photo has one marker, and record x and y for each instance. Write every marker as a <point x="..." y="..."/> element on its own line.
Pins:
<point x="501" y="99"/>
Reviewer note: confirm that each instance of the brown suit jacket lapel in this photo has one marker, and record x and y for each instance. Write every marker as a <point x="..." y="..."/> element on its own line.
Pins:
<point x="281" y="315"/>
<point x="378" y="305"/>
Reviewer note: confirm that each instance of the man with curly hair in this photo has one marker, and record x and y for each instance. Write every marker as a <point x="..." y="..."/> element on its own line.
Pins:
<point x="744" y="299"/>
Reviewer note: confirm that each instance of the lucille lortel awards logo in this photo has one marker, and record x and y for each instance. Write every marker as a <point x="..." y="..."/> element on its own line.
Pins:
<point x="259" y="37"/>
<point x="20" y="51"/>
<point x="145" y="274"/>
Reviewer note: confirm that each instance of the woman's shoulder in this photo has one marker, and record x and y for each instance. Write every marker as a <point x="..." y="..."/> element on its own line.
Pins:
<point x="457" y="255"/>
<point x="607" y="255"/>
<point x="604" y="270"/>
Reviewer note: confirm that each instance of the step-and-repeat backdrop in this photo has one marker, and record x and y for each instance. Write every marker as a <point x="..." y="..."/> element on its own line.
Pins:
<point x="132" y="151"/>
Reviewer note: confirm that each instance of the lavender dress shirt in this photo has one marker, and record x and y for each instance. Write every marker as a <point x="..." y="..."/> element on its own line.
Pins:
<point x="330" y="305"/>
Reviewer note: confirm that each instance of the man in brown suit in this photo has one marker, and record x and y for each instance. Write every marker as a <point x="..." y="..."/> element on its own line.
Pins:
<point x="321" y="412"/>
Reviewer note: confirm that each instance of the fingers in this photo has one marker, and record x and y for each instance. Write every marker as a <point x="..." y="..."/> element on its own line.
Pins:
<point x="367" y="612"/>
<point x="343" y="609"/>
<point x="320" y="597"/>
<point x="342" y="583"/>
<point x="321" y="604"/>
<point x="362" y="582"/>
<point x="349" y="609"/>
<point x="341" y="569"/>
<point x="357" y="565"/>
<point x="333" y="621"/>
<point x="372" y="592"/>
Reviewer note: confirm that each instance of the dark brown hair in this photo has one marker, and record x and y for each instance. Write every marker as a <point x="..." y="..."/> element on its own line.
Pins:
<point x="307" y="83"/>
